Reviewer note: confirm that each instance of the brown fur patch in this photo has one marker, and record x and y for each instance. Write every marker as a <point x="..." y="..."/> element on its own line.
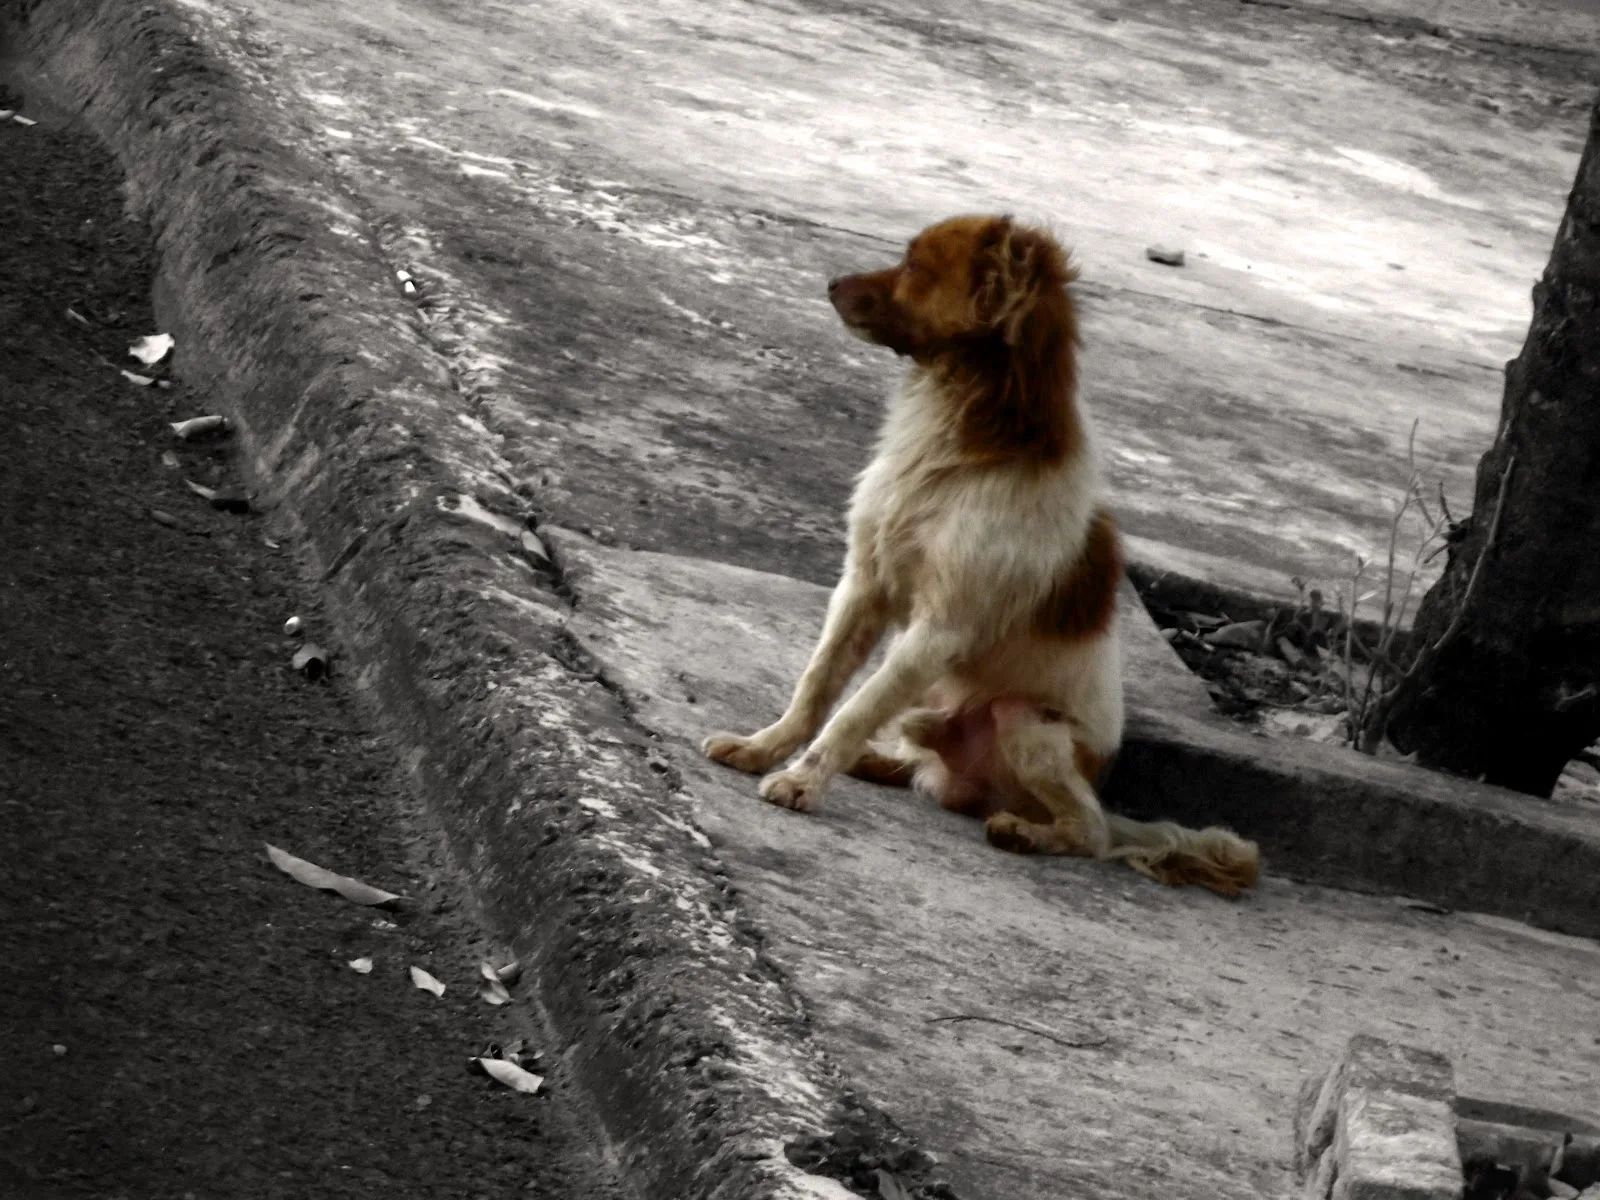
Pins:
<point x="874" y="767"/>
<point x="1083" y="602"/>
<point x="1014" y="378"/>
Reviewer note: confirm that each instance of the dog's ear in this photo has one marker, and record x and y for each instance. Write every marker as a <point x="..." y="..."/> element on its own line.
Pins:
<point x="1016" y="267"/>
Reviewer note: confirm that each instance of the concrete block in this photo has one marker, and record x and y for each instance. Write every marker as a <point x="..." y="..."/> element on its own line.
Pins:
<point x="1379" y="1126"/>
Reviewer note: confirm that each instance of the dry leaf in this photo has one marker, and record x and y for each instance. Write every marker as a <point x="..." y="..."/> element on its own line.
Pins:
<point x="493" y="990"/>
<point x="195" y="426"/>
<point x="319" y="877"/>
<point x="362" y="966"/>
<point x="310" y="659"/>
<point x="151" y="350"/>
<point x="513" y="1076"/>
<point x="510" y="973"/>
<point x="22" y="120"/>
<point x="204" y="493"/>
<point x="426" y="982"/>
<point x="72" y="315"/>
<point x="141" y="380"/>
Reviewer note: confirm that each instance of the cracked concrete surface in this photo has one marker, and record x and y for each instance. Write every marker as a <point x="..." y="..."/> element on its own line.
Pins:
<point x="1061" y="1028"/>
<point x="636" y="206"/>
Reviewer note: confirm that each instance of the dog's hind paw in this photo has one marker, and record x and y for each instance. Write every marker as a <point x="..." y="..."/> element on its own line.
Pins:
<point x="1007" y="831"/>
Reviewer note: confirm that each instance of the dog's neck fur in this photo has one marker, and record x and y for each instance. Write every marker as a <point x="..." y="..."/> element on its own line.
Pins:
<point x="1013" y="388"/>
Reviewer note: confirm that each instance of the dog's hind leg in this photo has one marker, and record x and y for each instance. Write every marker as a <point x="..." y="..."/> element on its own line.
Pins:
<point x="1048" y="768"/>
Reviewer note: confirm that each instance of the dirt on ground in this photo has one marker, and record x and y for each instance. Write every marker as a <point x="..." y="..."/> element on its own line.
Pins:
<point x="178" y="1018"/>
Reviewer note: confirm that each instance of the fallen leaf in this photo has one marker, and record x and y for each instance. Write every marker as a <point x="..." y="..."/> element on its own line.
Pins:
<point x="141" y="380"/>
<point x="204" y="493"/>
<point x="320" y="877"/>
<point x="165" y="518"/>
<point x="196" y="426"/>
<point x="1169" y="255"/>
<point x="492" y="991"/>
<point x="152" y="349"/>
<point x="310" y="660"/>
<point x="361" y="966"/>
<point x="73" y="315"/>
<point x="510" y="973"/>
<point x="22" y="120"/>
<point x="890" y="1188"/>
<point x="426" y="982"/>
<point x="531" y="543"/>
<point x="513" y="1076"/>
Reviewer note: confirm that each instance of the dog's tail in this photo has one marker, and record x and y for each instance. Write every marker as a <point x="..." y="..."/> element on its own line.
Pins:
<point x="1214" y="857"/>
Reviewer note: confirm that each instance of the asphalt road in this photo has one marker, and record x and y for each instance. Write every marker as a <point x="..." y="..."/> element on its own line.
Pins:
<point x="177" y="1017"/>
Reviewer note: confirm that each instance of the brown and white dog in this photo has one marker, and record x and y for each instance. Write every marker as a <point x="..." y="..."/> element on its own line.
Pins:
<point x="978" y="532"/>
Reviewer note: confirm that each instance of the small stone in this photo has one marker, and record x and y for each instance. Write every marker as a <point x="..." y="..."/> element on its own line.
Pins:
<point x="58" y="1050"/>
<point x="293" y="626"/>
<point x="1290" y="653"/>
<point x="1164" y="254"/>
<point x="1560" y="1190"/>
<point x="1245" y="635"/>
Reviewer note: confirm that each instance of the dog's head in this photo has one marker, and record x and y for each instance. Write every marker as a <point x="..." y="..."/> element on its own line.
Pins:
<point x="983" y="303"/>
<point x="963" y="279"/>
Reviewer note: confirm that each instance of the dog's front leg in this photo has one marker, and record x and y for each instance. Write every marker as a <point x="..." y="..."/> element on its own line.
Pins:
<point x="919" y="659"/>
<point x="854" y="624"/>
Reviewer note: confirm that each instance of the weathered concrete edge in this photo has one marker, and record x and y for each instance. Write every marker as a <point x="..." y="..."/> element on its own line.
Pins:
<point x="554" y="802"/>
<point x="1379" y="1125"/>
<point x="1325" y="814"/>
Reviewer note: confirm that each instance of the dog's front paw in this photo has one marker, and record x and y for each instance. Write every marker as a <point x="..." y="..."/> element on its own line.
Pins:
<point x="797" y="789"/>
<point x="746" y="754"/>
<point x="1007" y="831"/>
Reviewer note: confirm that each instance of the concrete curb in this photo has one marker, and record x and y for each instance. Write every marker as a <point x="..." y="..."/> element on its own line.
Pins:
<point x="554" y="802"/>
<point x="1379" y="1126"/>
<point x="1325" y="814"/>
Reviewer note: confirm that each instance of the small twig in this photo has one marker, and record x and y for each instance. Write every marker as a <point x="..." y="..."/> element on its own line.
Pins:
<point x="1029" y="1027"/>
<point x="1374" y="727"/>
<point x="1566" y="702"/>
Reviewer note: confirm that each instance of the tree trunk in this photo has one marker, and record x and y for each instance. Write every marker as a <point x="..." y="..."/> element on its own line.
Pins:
<point x="1513" y="693"/>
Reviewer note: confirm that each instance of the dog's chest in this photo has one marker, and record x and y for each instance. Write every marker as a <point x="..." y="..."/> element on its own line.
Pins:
<point x="893" y="515"/>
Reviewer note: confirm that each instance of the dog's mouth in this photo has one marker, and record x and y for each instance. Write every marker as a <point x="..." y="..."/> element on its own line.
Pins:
<point x="862" y="332"/>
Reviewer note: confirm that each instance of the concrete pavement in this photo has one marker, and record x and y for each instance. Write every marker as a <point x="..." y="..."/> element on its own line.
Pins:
<point x="617" y="219"/>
